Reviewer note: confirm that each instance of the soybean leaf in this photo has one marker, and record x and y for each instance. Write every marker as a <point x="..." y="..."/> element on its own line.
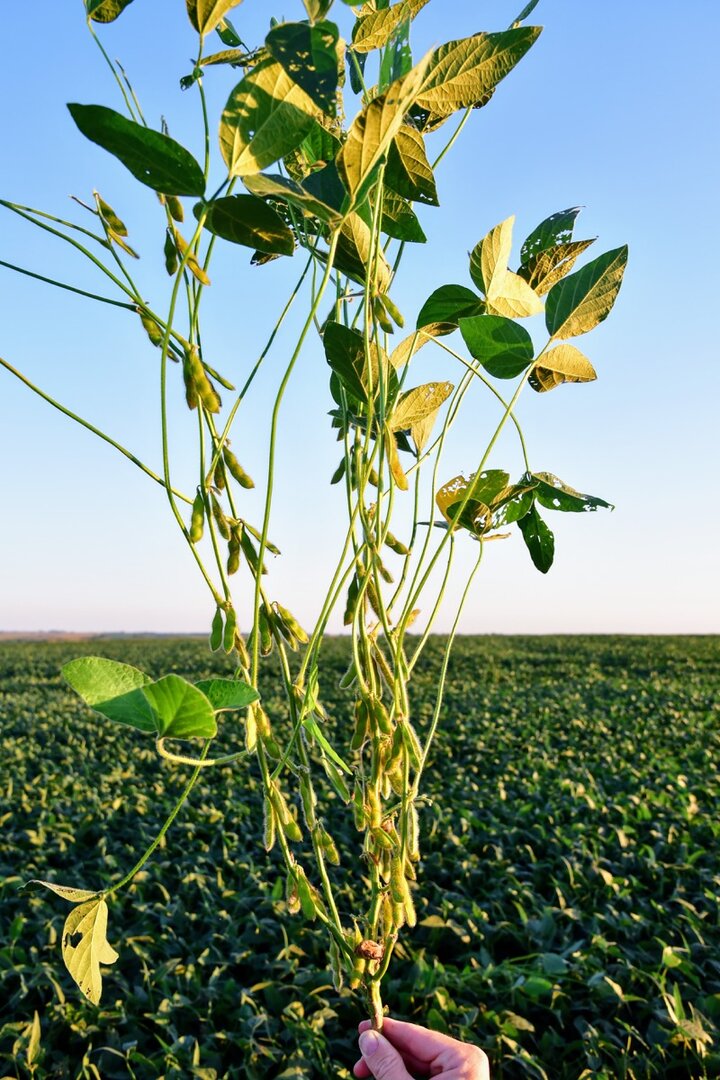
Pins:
<point x="296" y="194"/>
<point x="112" y="689"/>
<point x="374" y="129"/>
<point x="396" y="59"/>
<point x="563" y="364"/>
<point x="228" y="34"/>
<point x="417" y="404"/>
<point x="181" y="710"/>
<point x="556" y="495"/>
<point x="311" y="56"/>
<point x="554" y="230"/>
<point x="411" y="345"/>
<point x="266" y="117"/>
<point x="375" y="30"/>
<point x="400" y="221"/>
<point x="75" y="896"/>
<point x="353" y="252"/>
<point x="153" y="158"/>
<point x="512" y="504"/>
<point x="234" y="57"/>
<point x="205" y="15"/>
<point x="105" y="11"/>
<point x="579" y="302"/>
<point x="478" y="493"/>
<point x="527" y="10"/>
<point x="83" y="957"/>
<point x="503" y="348"/>
<point x="464" y="72"/>
<point x="449" y="304"/>
<point x="317" y="9"/>
<point x="542" y="271"/>
<point x="507" y="293"/>
<point x="408" y="171"/>
<point x="320" y="145"/>
<point x="225" y="694"/>
<point x="398" y="473"/>
<point x="539" y="540"/>
<point x="345" y="353"/>
<point x="247" y="220"/>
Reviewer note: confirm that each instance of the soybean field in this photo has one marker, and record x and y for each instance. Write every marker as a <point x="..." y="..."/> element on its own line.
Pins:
<point x="568" y="913"/>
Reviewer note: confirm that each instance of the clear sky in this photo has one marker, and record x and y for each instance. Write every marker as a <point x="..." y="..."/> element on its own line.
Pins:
<point x="615" y="108"/>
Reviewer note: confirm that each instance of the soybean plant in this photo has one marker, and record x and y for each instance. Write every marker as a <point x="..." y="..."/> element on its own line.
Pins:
<point x="292" y="178"/>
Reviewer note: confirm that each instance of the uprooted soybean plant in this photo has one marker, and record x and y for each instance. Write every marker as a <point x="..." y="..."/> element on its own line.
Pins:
<point x="294" y="179"/>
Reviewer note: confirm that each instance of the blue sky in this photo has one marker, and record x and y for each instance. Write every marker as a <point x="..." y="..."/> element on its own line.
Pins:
<point x="615" y="108"/>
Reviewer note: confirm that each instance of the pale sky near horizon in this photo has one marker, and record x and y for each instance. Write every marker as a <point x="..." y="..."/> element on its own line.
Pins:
<point x="615" y="108"/>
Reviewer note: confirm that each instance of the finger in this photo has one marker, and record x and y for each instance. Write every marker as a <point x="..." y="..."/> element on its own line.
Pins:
<point x="424" y="1045"/>
<point x="381" y="1057"/>
<point x="412" y="1061"/>
<point x="361" y="1070"/>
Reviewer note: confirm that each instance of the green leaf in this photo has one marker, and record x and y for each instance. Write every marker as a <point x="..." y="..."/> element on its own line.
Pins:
<point x="374" y="30"/>
<point x="345" y="353"/>
<point x="248" y="220"/>
<point x="396" y="59"/>
<point x="579" y="302"/>
<point x="234" y="57"/>
<point x="408" y="171"/>
<point x="228" y="34"/>
<point x="153" y="158"/>
<point x="181" y="710"/>
<point x="448" y="305"/>
<point x="539" y="541"/>
<point x="417" y="404"/>
<point x="374" y="129"/>
<point x="464" y="72"/>
<point x="563" y="364"/>
<point x="112" y="689"/>
<point x="279" y="187"/>
<point x="507" y="293"/>
<point x="478" y="493"/>
<point x="554" y="230"/>
<point x="542" y="271"/>
<point x="399" y="220"/>
<point x="67" y="892"/>
<point x="83" y="957"/>
<point x="317" y="9"/>
<point x="105" y="11"/>
<point x="503" y="348"/>
<point x="353" y="252"/>
<point x="527" y="10"/>
<point x="266" y="117"/>
<point x="311" y="56"/>
<point x="205" y="15"/>
<point x="556" y="495"/>
<point x="225" y="694"/>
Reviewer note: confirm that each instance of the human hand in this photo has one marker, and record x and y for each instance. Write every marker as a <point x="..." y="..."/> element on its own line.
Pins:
<point x="406" y="1050"/>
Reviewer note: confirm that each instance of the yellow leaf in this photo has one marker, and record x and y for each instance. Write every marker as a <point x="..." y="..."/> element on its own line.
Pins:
<point x="83" y="957"/>
<point x="513" y="297"/>
<point x="75" y="896"/>
<point x="563" y="364"/>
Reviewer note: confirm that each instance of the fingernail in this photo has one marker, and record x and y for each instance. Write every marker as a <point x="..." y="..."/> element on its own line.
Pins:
<point x="369" y="1042"/>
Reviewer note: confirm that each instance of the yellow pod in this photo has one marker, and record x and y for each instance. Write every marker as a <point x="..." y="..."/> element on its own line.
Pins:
<point x="375" y="808"/>
<point x="305" y="895"/>
<point x="251" y="733"/>
<point x="398" y="885"/>
<point x="268" y="824"/>
<point x="236" y="470"/>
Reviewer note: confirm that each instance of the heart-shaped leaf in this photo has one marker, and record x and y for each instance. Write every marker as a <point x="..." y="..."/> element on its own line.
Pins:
<point x="224" y="694"/>
<point x="181" y="710"/>
<point x="503" y="348"/>
<point x="247" y="220"/>
<point x="112" y="689"/>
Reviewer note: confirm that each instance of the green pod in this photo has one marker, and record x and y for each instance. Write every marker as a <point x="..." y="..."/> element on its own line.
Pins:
<point x="251" y="735"/>
<point x="396" y="545"/>
<point x="349" y="677"/>
<point x="250" y="552"/>
<point x="336" y="966"/>
<point x="353" y="596"/>
<point x="291" y="894"/>
<point x="339" y="473"/>
<point x="387" y="916"/>
<point x="329" y="847"/>
<point x="241" y="650"/>
<point x="373" y="478"/>
<point x="216" y="631"/>
<point x="373" y="597"/>
<point x="380" y="716"/>
<point x="392" y="310"/>
<point x="175" y="207"/>
<point x="409" y="906"/>
<point x="382" y="317"/>
<point x="412" y="743"/>
<point x="258" y="536"/>
<point x="307" y="800"/>
<point x="292" y="624"/>
<point x="268" y="825"/>
<point x="292" y="830"/>
<point x="171" y="254"/>
<point x="229" y="633"/>
<point x="398" y="915"/>
<point x="382" y="840"/>
<point x="197" y="521"/>
<point x="191" y="394"/>
<point x="236" y="470"/>
<point x="265" y="631"/>
<point x="109" y="216"/>
<point x="223" y="525"/>
<point x="385" y="573"/>
<point x="233" y="559"/>
<point x="152" y="329"/>
<point x="358" y="972"/>
<point x="361" y="725"/>
<point x="305" y="895"/>
<point x="358" y="806"/>
<point x="191" y="262"/>
<point x="398" y="885"/>
<point x="375" y="808"/>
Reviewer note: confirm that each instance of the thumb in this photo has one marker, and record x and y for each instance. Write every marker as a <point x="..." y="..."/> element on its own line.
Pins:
<point x="381" y="1057"/>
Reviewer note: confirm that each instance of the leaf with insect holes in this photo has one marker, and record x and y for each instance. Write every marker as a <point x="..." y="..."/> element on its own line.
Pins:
<point x="152" y="157"/>
<point x="469" y="500"/>
<point x="85" y="946"/>
<point x="266" y="117"/>
<point x="181" y="710"/>
<point x="552" y="493"/>
<point x="419" y="403"/>
<point x="545" y="269"/>
<point x="311" y="56"/>
<point x="563" y="364"/>
<point x="579" y="302"/>
<point x="554" y="230"/>
<point x="539" y="540"/>
<point x="112" y="689"/>
<point x="374" y="30"/>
